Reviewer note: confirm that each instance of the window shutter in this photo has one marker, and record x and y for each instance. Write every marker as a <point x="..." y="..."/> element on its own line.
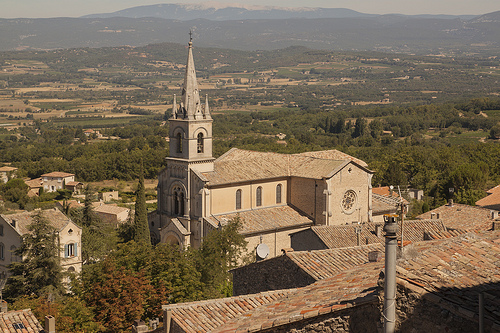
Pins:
<point x="66" y="251"/>
<point x="76" y="250"/>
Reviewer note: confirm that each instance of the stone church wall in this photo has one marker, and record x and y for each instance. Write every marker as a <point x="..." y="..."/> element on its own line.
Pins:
<point x="271" y="274"/>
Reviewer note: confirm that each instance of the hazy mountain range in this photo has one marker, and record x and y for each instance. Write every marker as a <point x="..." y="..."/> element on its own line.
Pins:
<point x="254" y="28"/>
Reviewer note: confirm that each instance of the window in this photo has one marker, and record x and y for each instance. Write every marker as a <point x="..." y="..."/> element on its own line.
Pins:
<point x="178" y="201"/>
<point x="2" y="250"/>
<point x="278" y="193"/>
<point x="200" y="142"/>
<point x="179" y="142"/>
<point x="259" y="196"/>
<point x="348" y="203"/>
<point x="70" y="250"/>
<point x="238" y="199"/>
<point x="1" y="230"/>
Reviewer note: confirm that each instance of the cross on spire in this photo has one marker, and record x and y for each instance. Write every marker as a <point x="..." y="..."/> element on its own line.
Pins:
<point x="190" y="35"/>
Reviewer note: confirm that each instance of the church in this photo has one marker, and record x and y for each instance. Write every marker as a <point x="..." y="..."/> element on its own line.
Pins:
<point x="273" y="194"/>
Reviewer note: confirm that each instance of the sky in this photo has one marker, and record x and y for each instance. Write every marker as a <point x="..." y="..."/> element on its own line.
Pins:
<point x="75" y="8"/>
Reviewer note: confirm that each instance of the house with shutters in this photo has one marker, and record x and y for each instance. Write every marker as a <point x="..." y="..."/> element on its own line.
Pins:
<point x="273" y="194"/>
<point x="14" y="226"/>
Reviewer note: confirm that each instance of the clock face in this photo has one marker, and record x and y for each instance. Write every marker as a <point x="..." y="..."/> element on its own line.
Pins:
<point x="349" y="201"/>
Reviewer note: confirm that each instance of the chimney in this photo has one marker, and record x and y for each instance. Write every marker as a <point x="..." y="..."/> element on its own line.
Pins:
<point x="378" y="230"/>
<point x="50" y="324"/>
<point x="374" y="256"/>
<point x="450" y="202"/>
<point x="438" y="216"/>
<point x="3" y="306"/>
<point x="494" y="214"/>
<point x="139" y="326"/>
<point x="13" y="223"/>
<point x="433" y="216"/>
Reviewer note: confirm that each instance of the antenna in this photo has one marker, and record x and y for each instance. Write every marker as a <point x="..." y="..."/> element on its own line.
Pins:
<point x="262" y="251"/>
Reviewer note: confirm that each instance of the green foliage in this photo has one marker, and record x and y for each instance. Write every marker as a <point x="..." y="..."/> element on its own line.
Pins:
<point x="222" y="249"/>
<point x="141" y="228"/>
<point x="39" y="271"/>
<point x="16" y="191"/>
<point x="98" y="238"/>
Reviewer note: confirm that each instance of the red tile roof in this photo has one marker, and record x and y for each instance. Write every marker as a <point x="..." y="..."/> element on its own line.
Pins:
<point x="455" y="271"/>
<point x="58" y="174"/>
<point x="492" y="201"/>
<point x="339" y="236"/>
<point x="19" y="317"/>
<point x="22" y="220"/>
<point x="269" y="309"/>
<point x="258" y="220"/>
<point x="459" y="216"/>
<point x="450" y="271"/>
<point x="238" y="165"/>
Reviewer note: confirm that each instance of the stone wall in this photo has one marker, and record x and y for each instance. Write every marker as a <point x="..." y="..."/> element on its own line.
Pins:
<point x="272" y="274"/>
<point x="416" y="313"/>
<point x="360" y="319"/>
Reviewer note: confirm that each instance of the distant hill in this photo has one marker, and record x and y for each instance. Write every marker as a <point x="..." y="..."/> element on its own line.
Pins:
<point x="224" y="12"/>
<point x="219" y="12"/>
<point x="388" y="33"/>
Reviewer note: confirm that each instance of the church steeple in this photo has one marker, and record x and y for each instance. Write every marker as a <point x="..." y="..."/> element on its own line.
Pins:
<point x="190" y="106"/>
<point x="191" y="124"/>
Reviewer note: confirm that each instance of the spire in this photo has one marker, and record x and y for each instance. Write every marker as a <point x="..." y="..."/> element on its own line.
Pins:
<point x="174" y="107"/>
<point x="207" y="109"/>
<point x="190" y="101"/>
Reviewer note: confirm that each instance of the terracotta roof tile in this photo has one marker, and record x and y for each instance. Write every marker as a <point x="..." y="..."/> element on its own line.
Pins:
<point x="58" y="174"/>
<point x="22" y="220"/>
<point x="459" y="216"/>
<point x="339" y="236"/>
<point x="24" y="317"/>
<point x="238" y="165"/>
<point x="7" y="169"/>
<point x="257" y="220"/>
<point x="449" y="272"/>
<point x="457" y="269"/>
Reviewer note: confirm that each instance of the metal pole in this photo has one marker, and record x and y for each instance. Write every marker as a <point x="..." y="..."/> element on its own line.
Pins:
<point x="391" y="244"/>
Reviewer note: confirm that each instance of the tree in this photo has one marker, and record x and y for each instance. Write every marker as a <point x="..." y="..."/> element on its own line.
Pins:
<point x="121" y="296"/>
<point x="40" y="270"/>
<point x="141" y="227"/>
<point x="98" y="238"/>
<point x="222" y="249"/>
<point x="16" y="190"/>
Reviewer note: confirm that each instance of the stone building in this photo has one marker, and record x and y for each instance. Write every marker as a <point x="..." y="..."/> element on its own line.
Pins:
<point x="438" y="291"/>
<point x="14" y="226"/>
<point x="273" y="194"/>
<point x="54" y="181"/>
<point x="7" y="173"/>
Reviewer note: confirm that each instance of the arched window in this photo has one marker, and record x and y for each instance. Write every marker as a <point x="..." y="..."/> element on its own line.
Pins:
<point x="178" y="201"/>
<point x="238" y="199"/>
<point x="258" y="201"/>
<point x="200" y="142"/>
<point x="278" y="193"/>
<point x="179" y="142"/>
<point x="181" y="208"/>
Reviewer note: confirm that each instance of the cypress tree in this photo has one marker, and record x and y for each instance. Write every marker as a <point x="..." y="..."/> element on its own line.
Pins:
<point x="141" y="228"/>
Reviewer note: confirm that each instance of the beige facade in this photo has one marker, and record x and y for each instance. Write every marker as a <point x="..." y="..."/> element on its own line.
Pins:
<point x="7" y="173"/>
<point x="56" y="180"/>
<point x="14" y="226"/>
<point x="273" y="194"/>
